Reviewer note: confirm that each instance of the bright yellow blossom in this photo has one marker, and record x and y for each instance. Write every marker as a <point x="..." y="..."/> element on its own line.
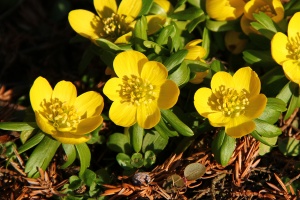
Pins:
<point x="140" y="90"/>
<point x="224" y="10"/>
<point x="285" y="49"/>
<point x="273" y="8"/>
<point x="196" y="52"/>
<point x="232" y="102"/>
<point x="112" y="23"/>
<point x="62" y="114"/>
<point x="165" y="5"/>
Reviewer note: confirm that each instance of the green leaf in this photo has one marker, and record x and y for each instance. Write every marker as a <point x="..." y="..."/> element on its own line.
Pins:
<point x="119" y="142"/>
<point x="150" y="158"/>
<point x="187" y="14"/>
<point x="264" y="149"/>
<point x="222" y="147"/>
<point x="196" y="65"/>
<point x="261" y="138"/>
<point x="84" y="155"/>
<point x="194" y="23"/>
<point x="273" y="110"/>
<point x="265" y="129"/>
<point x="136" y="137"/>
<point x="216" y="66"/>
<point x="206" y="42"/>
<point x="291" y="7"/>
<point x="140" y="33"/>
<point x="156" y="47"/>
<point x="18" y="126"/>
<point x="137" y="160"/>
<point x="289" y="146"/>
<point x="107" y="45"/>
<point x="164" y="131"/>
<point x="219" y="26"/>
<point x="88" y="177"/>
<point x="175" y="59"/>
<point x="295" y="100"/>
<point x="258" y="57"/>
<point x="286" y="92"/>
<point x="146" y="6"/>
<point x="70" y="153"/>
<point x="154" y="142"/>
<point x="194" y="171"/>
<point x="41" y="156"/>
<point x="165" y="33"/>
<point x="86" y="59"/>
<point x="176" y="123"/>
<point x="181" y="75"/>
<point x="265" y="25"/>
<point x="25" y="135"/>
<point x="31" y="142"/>
<point x="124" y="160"/>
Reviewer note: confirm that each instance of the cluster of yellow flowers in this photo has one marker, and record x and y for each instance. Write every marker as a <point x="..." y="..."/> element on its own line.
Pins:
<point x="141" y="86"/>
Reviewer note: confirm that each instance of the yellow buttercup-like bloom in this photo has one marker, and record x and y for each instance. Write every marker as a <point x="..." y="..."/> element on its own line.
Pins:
<point x="112" y="23"/>
<point x="224" y="10"/>
<point x="232" y="102"/>
<point x="273" y="8"/>
<point x="140" y="90"/>
<point x="285" y="49"/>
<point x="196" y="52"/>
<point x="62" y="114"/>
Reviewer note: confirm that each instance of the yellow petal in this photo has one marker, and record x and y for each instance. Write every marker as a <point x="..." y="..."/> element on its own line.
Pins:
<point x="168" y="95"/>
<point x="291" y="69"/>
<point x="86" y="24"/>
<point x="202" y="98"/>
<point x="256" y="106"/>
<point x="154" y="72"/>
<point x="68" y="138"/>
<point x="148" y="115"/>
<point x="252" y="7"/>
<point x="105" y="8"/>
<point x="88" y="125"/>
<point x="293" y="27"/>
<point x="124" y="39"/>
<point x="165" y="4"/>
<point x="44" y="124"/>
<point x="221" y="78"/>
<point x="279" y="11"/>
<point x="223" y="10"/>
<point x="195" y="53"/>
<point x="193" y="43"/>
<point x="130" y="8"/>
<point x="123" y="114"/>
<point x="199" y="77"/>
<point x="246" y="26"/>
<point x="155" y="23"/>
<point x="129" y="63"/>
<point x="279" y="49"/>
<point x="112" y="87"/>
<point x="239" y="127"/>
<point x="39" y="91"/>
<point x="65" y="91"/>
<point x="89" y="104"/>
<point x="217" y="119"/>
<point x="246" y="78"/>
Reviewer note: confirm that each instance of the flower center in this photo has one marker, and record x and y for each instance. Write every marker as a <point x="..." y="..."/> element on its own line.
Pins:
<point x="229" y="101"/>
<point x="266" y="9"/>
<point x="62" y="116"/>
<point x="114" y="26"/>
<point x="293" y="47"/>
<point x="136" y="91"/>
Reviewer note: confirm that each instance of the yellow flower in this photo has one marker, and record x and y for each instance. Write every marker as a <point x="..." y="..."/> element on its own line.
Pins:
<point x="112" y="23"/>
<point x="234" y="43"/>
<point x="62" y="114"/>
<point x="273" y="8"/>
<point x="196" y="52"/>
<point x="285" y="49"/>
<point x="232" y="102"/>
<point x="165" y="5"/>
<point x="223" y="10"/>
<point x="140" y="90"/>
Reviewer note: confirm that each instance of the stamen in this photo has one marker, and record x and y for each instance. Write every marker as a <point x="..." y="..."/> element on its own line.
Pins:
<point x="62" y="116"/>
<point x="230" y="102"/>
<point x="114" y="26"/>
<point x="293" y="47"/>
<point x="136" y="91"/>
